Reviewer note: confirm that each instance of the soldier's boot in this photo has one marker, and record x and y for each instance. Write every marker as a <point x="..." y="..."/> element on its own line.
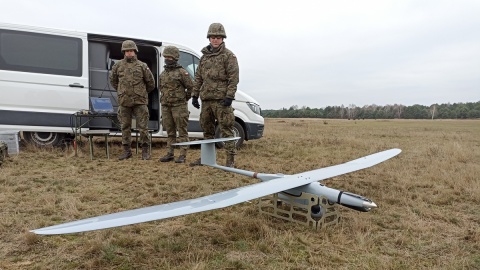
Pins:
<point x="180" y="159"/>
<point x="127" y="152"/>
<point x="230" y="161"/>
<point x="168" y="157"/>
<point x="145" y="152"/>
<point x="197" y="162"/>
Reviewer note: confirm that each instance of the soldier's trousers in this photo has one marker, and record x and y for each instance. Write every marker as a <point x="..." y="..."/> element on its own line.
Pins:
<point x="175" y="118"/>
<point x="125" y="117"/>
<point x="213" y="110"/>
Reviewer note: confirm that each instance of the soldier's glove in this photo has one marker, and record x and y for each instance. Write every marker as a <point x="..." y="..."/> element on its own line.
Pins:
<point x="227" y="102"/>
<point x="195" y="102"/>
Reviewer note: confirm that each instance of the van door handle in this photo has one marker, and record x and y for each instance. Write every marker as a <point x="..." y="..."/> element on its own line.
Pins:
<point x="76" y="85"/>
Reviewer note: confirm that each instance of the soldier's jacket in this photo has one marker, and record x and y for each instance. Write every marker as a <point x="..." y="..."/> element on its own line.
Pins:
<point x="173" y="82"/>
<point x="3" y="151"/>
<point x="217" y="75"/>
<point x="133" y="80"/>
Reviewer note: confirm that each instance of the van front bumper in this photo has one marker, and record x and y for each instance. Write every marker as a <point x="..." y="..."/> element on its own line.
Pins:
<point x="254" y="131"/>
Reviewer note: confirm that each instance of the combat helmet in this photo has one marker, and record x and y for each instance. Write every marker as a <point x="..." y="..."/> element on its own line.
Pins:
<point x="171" y="51"/>
<point x="129" y="45"/>
<point x="216" y="29"/>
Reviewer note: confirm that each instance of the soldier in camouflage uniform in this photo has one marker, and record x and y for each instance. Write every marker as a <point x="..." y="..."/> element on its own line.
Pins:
<point x="215" y="83"/>
<point x="174" y="80"/>
<point x="133" y="80"/>
<point x="3" y="151"/>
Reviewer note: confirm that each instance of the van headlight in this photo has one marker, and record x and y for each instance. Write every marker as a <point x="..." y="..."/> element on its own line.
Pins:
<point x="254" y="107"/>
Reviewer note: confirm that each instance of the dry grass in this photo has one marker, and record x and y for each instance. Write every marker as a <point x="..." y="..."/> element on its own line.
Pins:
<point x="428" y="197"/>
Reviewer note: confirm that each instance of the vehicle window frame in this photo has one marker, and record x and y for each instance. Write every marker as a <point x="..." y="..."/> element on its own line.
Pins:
<point x="187" y="64"/>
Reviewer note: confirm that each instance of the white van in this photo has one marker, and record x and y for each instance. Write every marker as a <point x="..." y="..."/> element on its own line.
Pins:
<point x="48" y="75"/>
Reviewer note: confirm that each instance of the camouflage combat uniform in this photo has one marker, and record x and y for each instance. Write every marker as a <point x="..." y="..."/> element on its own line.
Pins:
<point x="3" y="151"/>
<point x="173" y="82"/>
<point x="133" y="80"/>
<point x="216" y="78"/>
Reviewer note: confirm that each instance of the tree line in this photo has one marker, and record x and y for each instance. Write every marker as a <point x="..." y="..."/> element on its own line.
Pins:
<point x="469" y="110"/>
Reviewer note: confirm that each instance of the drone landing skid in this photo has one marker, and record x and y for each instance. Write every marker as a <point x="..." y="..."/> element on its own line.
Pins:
<point x="299" y="209"/>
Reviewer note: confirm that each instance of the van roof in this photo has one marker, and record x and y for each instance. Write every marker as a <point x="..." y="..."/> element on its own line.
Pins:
<point x="90" y="36"/>
<point x="94" y="37"/>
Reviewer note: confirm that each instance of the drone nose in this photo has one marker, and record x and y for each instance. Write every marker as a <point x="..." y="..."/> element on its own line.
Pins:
<point x="369" y="205"/>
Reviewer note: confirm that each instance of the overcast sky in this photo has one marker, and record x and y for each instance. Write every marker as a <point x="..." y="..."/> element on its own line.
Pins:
<point x="307" y="53"/>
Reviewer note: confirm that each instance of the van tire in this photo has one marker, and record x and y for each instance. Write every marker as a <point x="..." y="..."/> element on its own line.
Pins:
<point x="238" y="131"/>
<point x="44" y="139"/>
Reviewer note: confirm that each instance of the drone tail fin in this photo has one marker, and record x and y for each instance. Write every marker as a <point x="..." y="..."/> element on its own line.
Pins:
<point x="209" y="157"/>
<point x="208" y="151"/>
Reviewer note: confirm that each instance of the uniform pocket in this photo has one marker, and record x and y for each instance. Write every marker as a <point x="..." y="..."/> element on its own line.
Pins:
<point x="137" y="76"/>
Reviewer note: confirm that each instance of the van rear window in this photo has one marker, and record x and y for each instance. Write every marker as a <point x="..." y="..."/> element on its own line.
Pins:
<point x="40" y="53"/>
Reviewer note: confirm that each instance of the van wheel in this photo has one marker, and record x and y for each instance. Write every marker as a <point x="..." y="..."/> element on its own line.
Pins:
<point x="44" y="139"/>
<point x="237" y="132"/>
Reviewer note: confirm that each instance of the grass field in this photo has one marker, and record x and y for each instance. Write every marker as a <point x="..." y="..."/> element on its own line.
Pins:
<point x="428" y="198"/>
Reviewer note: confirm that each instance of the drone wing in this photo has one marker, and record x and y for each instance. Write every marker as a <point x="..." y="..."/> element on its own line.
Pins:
<point x="218" y="200"/>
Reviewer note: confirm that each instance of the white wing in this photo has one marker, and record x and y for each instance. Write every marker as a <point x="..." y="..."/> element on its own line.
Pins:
<point x="218" y="200"/>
